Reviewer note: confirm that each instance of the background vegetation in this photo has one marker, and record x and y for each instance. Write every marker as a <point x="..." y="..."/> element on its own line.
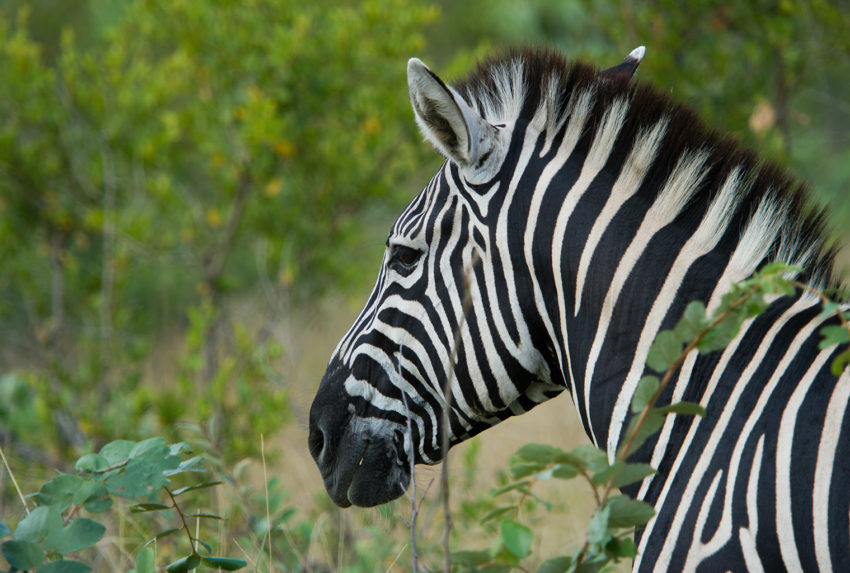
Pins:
<point x="194" y="198"/>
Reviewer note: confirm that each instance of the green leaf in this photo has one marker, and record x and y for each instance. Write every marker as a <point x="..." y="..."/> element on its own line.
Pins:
<point x="89" y="491"/>
<point x="471" y="558"/>
<point x="556" y="565"/>
<point x="840" y="362"/>
<point x="587" y="457"/>
<point x="142" y="507"/>
<point x="151" y="447"/>
<point x="778" y="268"/>
<point x="755" y="305"/>
<point x="38" y="524"/>
<point x="623" y="474"/>
<point x="79" y="534"/>
<point x="510" y="487"/>
<point x="565" y="471"/>
<point x="162" y="534"/>
<point x="542" y="454"/>
<point x="597" y="531"/>
<point x="195" y="464"/>
<point x="622" y="548"/>
<point x="684" y="408"/>
<point x="646" y="388"/>
<point x="59" y="491"/>
<point x="64" y="566"/>
<point x="498" y="512"/>
<point x="99" y="504"/>
<point x="829" y="308"/>
<point x="186" y="564"/>
<point x="651" y="424"/>
<point x="516" y="537"/>
<point x="204" y="544"/>
<point x="23" y="554"/>
<point x="721" y="335"/>
<point x="693" y="321"/>
<point x="521" y="470"/>
<point x="139" y="478"/>
<point x="91" y="463"/>
<point x="627" y="512"/>
<point x="225" y="563"/>
<point x="664" y="351"/>
<point x="204" y="485"/>
<point x="145" y="561"/>
<point x="179" y="448"/>
<point x="833" y="334"/>
<point x="4" y="529"/>
<point x="205" y="516"/>
<point x="117" y="451"/>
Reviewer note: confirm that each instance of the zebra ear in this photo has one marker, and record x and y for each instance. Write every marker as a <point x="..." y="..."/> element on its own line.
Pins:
<point x="627" y="68"/>
<point x="455" y="129"/>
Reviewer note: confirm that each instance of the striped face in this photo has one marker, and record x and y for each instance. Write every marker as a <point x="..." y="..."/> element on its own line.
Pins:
<point x="443" y="315"/>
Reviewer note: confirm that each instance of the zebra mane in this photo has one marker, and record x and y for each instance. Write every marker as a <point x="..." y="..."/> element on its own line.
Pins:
<point x="771" y="207"/>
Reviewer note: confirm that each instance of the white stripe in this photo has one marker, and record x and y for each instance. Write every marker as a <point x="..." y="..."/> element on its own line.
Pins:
<point x="628" y="182"/>
<point x="720" y="426"/>
<point x="747" y="535"/>
<point x="784" y="442"/>
<point x="597" y="156"/>
<point x="701" y="242"/>
<point x="755" y="242"/>
<point x="682" y="182"/>
<point x="700" y="550"/>
<point x="827" y="453"/>
<point x="579" y="109"/>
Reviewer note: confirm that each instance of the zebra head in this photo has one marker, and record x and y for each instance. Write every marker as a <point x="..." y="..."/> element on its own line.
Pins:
<point x="447" y="312"/>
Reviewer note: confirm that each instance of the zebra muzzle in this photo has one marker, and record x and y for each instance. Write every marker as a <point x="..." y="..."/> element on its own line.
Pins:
<point x="361" y="467"/>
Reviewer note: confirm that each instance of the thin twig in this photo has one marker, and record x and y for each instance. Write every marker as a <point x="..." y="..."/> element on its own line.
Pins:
<point x="414" y="508"/>
<point x="182" y="517"/>
<point x="74" y="509"/>
<point x="14" y="481"/>
<point x="447" y="398"/>
<point x="266" y="488"/>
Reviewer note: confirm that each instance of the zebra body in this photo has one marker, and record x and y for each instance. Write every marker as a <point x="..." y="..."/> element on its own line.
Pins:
<point x="579" y="214"/>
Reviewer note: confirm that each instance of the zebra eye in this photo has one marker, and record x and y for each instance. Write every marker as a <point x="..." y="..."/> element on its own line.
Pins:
<point x="405" y="257"/>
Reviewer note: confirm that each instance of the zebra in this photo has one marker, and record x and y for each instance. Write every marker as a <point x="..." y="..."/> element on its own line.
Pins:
<point x="575" y="216"/>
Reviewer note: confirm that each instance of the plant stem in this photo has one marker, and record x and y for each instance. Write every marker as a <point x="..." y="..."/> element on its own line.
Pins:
<point x="447" y="397"/>
<point x="414" y="509"/>
<point x="644" y="414"/>
<point x="182" y="517"/>
<point x="14" y="481"/>
<point x="268" y="513"/>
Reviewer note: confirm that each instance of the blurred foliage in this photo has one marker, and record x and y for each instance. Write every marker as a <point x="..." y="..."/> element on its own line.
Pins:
<point x="774" y="73"/>
<point x="163" y="162"/>
<point x="182" y="153"/>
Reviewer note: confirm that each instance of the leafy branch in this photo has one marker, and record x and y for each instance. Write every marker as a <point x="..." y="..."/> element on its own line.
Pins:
<point x="609" y="534"/>
<point x="53" y="530"/>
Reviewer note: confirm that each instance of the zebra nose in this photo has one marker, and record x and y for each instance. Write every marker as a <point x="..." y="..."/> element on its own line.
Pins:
<point x="316" y="441"/>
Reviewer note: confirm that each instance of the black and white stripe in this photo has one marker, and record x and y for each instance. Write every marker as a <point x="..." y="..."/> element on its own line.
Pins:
<point x="585" y="212"/>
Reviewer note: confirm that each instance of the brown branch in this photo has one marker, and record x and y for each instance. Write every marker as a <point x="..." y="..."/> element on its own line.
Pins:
<point x="182" y="517"/>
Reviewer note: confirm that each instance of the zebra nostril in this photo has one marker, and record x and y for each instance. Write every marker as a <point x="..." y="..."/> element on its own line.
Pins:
<point x="316" y="442"/>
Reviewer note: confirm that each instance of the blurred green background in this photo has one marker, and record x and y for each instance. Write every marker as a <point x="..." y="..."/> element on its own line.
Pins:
<point x="194" y="198"/>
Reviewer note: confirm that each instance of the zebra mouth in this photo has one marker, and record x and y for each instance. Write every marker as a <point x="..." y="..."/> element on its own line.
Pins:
<point x="375" y="477"/>
<point x="364" y="469"/>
